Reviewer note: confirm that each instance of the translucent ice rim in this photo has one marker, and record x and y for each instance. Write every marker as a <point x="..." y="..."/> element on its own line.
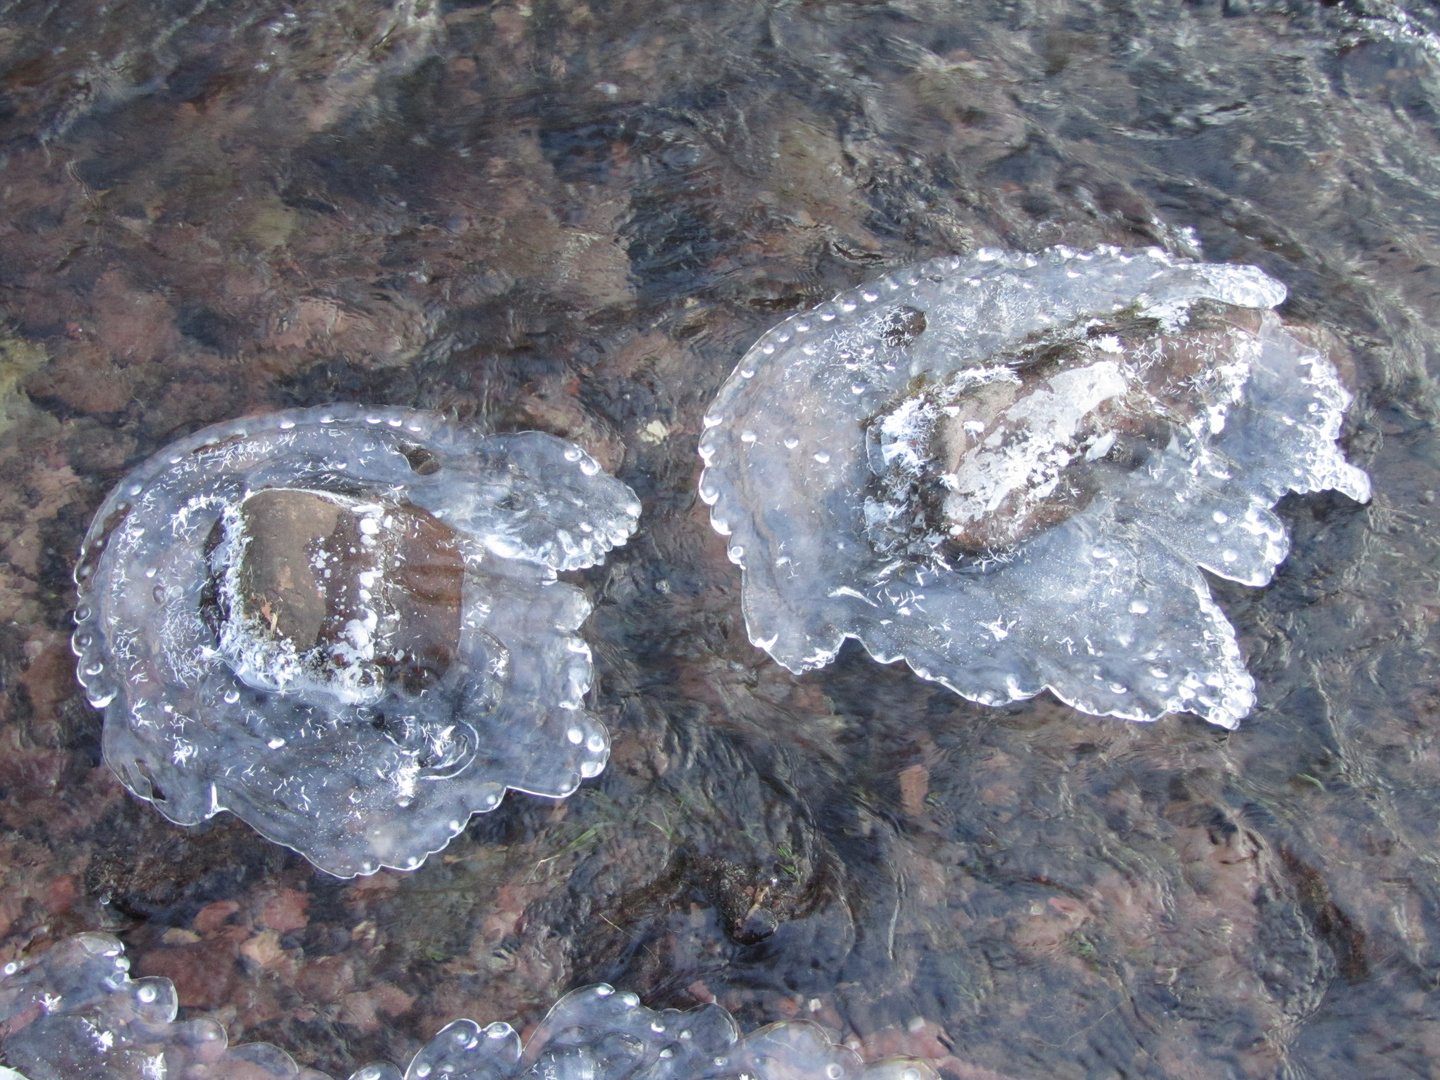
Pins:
<point x="1106" y="609"/>
<point x="75" y="1011"/>
<point x="184" y="731"/>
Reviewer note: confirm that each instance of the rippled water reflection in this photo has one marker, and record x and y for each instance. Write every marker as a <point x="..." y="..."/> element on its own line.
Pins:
<point x="575" y="217"/>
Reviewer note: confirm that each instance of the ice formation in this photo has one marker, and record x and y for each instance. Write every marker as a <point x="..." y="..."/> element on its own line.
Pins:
<point x="344" y="625"/>
<point x="1006" y="469"/>
<point x="75" y="1014"/>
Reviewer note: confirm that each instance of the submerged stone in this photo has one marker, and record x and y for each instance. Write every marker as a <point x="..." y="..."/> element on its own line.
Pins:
<point x="344" y="625"/>
<point x="339" y="594"/>
<point x="997" y="453"/>
<point x="1007" y="469"/>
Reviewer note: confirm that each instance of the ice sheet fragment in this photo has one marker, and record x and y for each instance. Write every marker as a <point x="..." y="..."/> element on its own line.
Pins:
<point x="75" y="1014"/>
<point x="344" y="625"/>
<point x="1007" y="468"/>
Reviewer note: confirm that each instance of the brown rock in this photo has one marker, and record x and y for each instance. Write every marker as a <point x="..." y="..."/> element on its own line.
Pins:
<point x="213" y="916"/>
<point x="326" y="980"/>
<point x="264" y="949"/>
<point x="279" y="582"/>
<point x="914" y="786"/>
<point x="986" y="423"/>
<point x="364" y="1010"/>
<point x="284" y="910"/>
<point x="204" y="974"/>
<point x="317" y="565"/>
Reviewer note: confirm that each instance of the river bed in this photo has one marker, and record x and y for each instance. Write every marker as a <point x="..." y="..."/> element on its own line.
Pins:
<point x="574" y="217"/>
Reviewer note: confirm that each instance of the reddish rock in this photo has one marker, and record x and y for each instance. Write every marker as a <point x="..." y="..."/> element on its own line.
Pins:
<point x="204" y="974"/>
<point x="327" y="980"/>
<point x="283" y="910"/>
<point x="366" y="1010"/>
<point x="212" y="917"/>
<point x="914" y="786"/>
<point x="316" y="566"/>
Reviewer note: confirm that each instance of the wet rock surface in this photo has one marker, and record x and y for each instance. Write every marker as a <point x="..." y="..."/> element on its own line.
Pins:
<point x="311" y="566"/>
<point x="576" y="217"/>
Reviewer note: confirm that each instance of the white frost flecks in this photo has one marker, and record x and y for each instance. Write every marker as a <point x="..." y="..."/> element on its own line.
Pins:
<point x="1052" y="445"/>
<point x="115" y="1028"/>
<point x="323" y="748"/>
<point x="996" y="469"/>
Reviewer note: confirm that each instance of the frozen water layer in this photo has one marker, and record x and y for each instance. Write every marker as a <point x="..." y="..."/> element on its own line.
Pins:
<point x="1007" y="469"/>
<point x="75" y="1012"/>
<point x="344" y="624"/>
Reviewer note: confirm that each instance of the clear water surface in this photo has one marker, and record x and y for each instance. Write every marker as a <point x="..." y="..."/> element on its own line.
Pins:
<point x="574" y="217"/>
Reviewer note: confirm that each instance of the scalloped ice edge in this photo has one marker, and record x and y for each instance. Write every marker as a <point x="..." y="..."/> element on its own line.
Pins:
<point x="1237" y="283"/>
<point x="144" y="1014"/>
<point x="1274" y="293"/>
<point x="86" y="643"/>
<point x="1229" y="718"/>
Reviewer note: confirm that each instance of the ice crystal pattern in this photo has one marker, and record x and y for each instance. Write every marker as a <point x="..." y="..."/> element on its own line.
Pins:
<point x="75" y="1012"/>
<point x="344" y="625"/>
<point x="1007" y="468"/>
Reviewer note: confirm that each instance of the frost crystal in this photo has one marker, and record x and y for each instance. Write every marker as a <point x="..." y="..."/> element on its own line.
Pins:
<point x="344" y="625"/>
<point x="112" y="1028"/>
<point x="1006" y="468"/>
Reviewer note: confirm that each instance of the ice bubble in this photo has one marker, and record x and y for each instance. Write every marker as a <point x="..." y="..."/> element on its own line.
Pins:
<point x="1043" y="451"/>
<point x="75" y="1012"/>
<point x="349" y="632"/>
<point x="71" y="1013"/>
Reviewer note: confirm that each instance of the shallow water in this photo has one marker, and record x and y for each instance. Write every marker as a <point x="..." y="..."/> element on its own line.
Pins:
<point x="575" y="217"/>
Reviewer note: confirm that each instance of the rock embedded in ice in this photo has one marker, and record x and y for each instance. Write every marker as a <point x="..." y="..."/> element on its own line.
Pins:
<point x="344" y="625"/>
<point x="75" y="1013"/>
<point x="317" y="580"/>
<point x="1007" y="469"/>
